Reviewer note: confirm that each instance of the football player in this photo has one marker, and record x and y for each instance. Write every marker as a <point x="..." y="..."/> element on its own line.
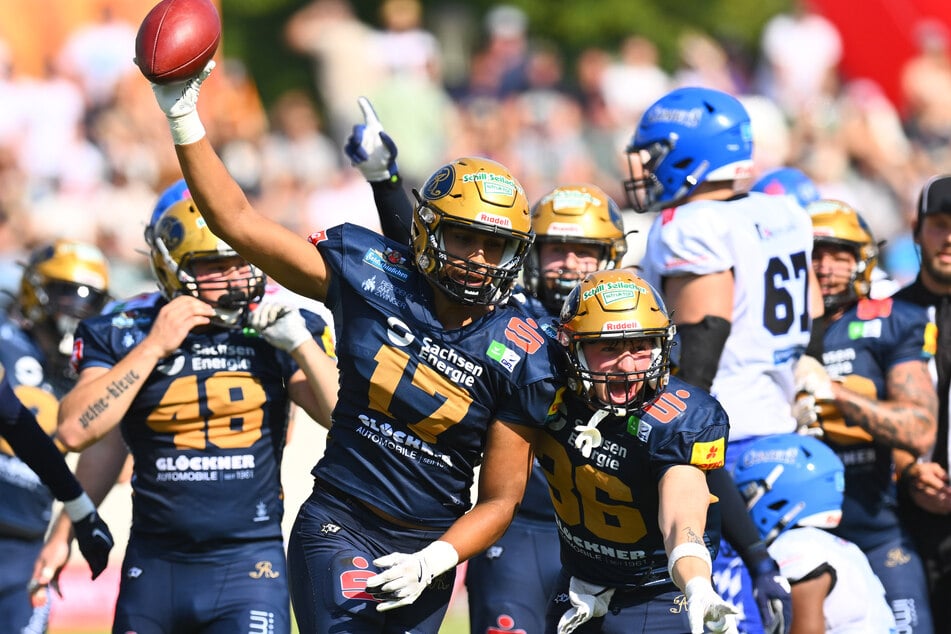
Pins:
<point x="578" y="230"/>
<point x="438" y="376"/>
<point x="197" y="380"/>
<point x="63" y="281"/>
<point x="625" y="452"/>
<point x="793" y="488"/>
<point x="734" y="268"/>
<point x="881" y="398"/>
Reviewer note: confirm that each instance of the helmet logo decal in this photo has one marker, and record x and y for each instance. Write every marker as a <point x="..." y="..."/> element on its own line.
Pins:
<point x="493" y="219"/>
<point x="493" y="183"/>
<point x="758" y="456"/>
<point x="570" y="199"/>
<point x="171" y="231"/>
<point x="614" y="326"/>
<point x="565" y="229"/>
<point x="610" y="292"/>
<point x="687" y="118"/>
<point x="440" y="183"/>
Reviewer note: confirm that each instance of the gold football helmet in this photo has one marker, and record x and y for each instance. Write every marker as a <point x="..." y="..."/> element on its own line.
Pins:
<point x="179" y="238"/>
<point x="63" y="283"/>
<point x="579" y="214"/>
<point x="480" y="195"/>
<point x="616" y="305"/>
<point x="837" y="223"/>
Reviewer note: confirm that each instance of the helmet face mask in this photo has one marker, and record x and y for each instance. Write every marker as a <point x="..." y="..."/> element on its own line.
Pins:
<point x="579" y="218"/>
<point x="471" y="195"/>
<point x="790" y="480"/>
<point x="838" y="226"/>
<point x="687" y="137"/>
<point x="178" y="240"/>
<point x="62" y="284"/>
<point x="616" y="306"/>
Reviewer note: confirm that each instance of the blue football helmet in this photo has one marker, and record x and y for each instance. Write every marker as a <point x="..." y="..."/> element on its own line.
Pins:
<point x="173" y="193"/>
<point x="789" y="181"/>
<point x="790" y="480"/>
<point x="687" y="137"/>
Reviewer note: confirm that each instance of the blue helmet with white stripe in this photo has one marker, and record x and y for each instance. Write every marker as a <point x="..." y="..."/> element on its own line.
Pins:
<point x="687" y="137"/>
<point x="790" y="480"/>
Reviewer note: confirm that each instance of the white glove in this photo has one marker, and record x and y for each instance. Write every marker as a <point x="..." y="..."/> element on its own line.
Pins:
<point x="406" y="576"/>
<point x="812" y="385"/>
<point x="706" y="607"/>
<point x="179" y="101"/>
<point x="588" y="601"/>
<point x="370" y="149"/>
<point x="811" y="378"/>
<point x="281" y="326"/>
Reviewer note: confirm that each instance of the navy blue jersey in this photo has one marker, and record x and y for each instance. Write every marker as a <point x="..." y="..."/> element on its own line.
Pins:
<point x="607" y="504"/>
<point x="206" y="431"/>
<point x="860" y="348"/>
<point x="27" y="506"/>
<point x="416" y="399"/>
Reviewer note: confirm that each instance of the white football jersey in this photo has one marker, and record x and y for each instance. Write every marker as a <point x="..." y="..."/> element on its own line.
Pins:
<point x="767" y="242"/>
<point x="856" y="604"/>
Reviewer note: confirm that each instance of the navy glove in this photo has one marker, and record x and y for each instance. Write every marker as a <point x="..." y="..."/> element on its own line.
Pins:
<point x="370" y="149"/>
<point x="771" y="591"/>
<point x="95" y="542"/>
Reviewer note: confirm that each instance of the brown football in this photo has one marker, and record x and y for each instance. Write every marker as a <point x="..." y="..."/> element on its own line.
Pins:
<point x="176" y="39"/>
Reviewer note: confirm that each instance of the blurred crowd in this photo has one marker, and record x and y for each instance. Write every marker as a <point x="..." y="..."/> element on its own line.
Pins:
<point x="83" y="151"/>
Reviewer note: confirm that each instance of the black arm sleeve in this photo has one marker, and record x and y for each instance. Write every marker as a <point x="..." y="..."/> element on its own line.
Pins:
<point x="701" y="345"/>
<point x="31" y="445"/>
<point x="738" y="527"/>
<point x="395" y="209"/>
<point x="816" y="336"/>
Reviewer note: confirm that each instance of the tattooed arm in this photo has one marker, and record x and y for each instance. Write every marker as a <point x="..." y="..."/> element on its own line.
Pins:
<point x="102" y="396"/>
<point x="684" y="498"/>
<point x="906" y="419"/>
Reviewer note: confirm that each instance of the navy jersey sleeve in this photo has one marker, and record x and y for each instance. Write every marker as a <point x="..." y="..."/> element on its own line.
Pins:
<point x="321" y="332"/>
<point x="908" y="326"/>
<point x="31" y="444"/>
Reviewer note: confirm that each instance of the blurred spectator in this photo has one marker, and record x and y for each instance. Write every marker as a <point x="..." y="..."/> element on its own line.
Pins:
<point x="704" y="62"/>
<point x="926" y="90"/>
<point x="337" y="41"/>
<point x="801" y="49"/>
<point x="297" y="158"/>
<point x="634" y="81"/>
<point x="404" y="46"/>
<point x="97" y="55"/>
<point x="506" y="50"/>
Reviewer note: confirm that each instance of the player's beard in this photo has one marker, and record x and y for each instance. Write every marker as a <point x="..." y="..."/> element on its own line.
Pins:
<point x="937" y="269"/>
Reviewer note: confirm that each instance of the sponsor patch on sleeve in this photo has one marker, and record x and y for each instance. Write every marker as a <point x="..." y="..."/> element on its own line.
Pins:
<point x="708" y="455"/>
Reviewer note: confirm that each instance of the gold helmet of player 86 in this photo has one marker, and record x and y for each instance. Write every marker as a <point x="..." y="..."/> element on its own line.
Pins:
<point x="837" y="223"/>
<point x="476" y="194"/>
<point x="178" y="238"/>
<point x="610" y="305"/>
<point x="63" y="282"/>
<point x="576" y="214"/>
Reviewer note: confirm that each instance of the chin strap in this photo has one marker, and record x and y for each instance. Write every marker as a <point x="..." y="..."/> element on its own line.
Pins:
<point x="588" y="435"/>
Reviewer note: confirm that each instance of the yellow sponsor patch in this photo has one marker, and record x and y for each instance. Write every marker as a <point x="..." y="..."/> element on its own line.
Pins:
<point x="708" y="455"/>
<point x="931" y="339"/>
